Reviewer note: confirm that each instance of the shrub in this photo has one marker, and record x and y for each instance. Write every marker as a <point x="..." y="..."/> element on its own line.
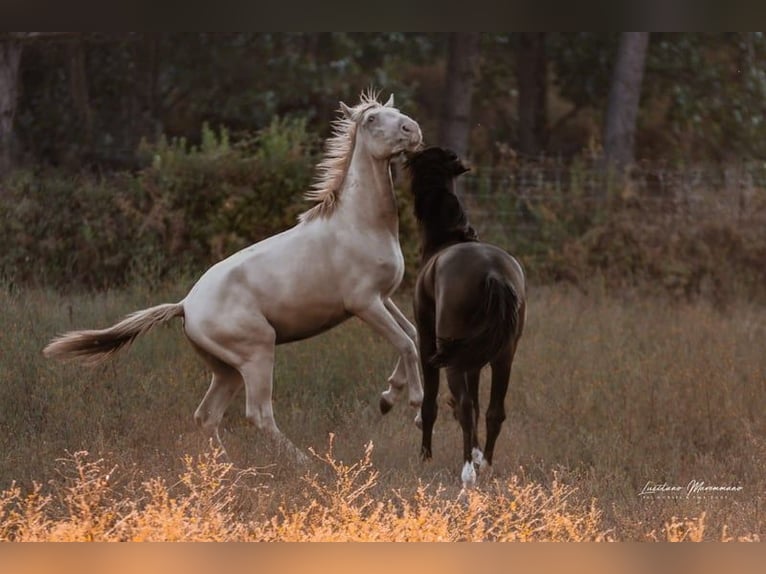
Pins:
<point x="190" y="206"/>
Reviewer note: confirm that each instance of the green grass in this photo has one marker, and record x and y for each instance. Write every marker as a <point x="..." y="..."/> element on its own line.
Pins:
<point x="608" y="392"/>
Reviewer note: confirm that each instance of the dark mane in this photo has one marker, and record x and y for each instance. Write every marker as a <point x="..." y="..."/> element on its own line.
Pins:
<point x="438" y="210"/>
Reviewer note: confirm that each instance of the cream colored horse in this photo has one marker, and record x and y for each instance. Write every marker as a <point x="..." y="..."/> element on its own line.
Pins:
<point x="343" y="258"/>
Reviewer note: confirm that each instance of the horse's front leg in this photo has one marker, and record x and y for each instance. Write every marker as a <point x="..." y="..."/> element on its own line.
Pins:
<point x="378" y="316"/>
<point x="398" y="378"/>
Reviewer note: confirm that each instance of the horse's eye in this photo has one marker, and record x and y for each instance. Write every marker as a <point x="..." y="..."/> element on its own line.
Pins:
<point x="371" y="118"/>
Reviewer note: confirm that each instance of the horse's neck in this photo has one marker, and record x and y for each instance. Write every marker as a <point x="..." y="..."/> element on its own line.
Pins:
<point x="368" y="194"/>
<point x="441" y="218"/>
<point x="434" y="238"/>
<point x="431" y="245"/>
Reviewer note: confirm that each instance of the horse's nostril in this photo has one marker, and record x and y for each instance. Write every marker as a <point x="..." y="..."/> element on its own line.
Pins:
<point x="406" y="128"/>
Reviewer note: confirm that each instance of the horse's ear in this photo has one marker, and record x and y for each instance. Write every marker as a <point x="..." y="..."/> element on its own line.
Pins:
<point x="461" y="168"/>
<point x="390" y="102"/>
<point x="346" y="110"/>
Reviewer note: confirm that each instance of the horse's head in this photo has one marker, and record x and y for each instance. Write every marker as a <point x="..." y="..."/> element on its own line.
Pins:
<point x="436" y="163"/>
<point x="437" y="206"/>
<point x="433" y="170"/>
<point x="382" y="129"/>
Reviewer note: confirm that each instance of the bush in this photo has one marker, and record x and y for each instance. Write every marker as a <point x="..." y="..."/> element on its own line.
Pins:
<point x="61" y="229"/>
<point x="688" y="233"/>
<point x="189" y="207"/>
<point x="697" y="234"/>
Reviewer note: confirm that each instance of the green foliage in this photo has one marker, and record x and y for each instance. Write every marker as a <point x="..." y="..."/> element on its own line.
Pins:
<point x="716" y="88"/>
<point x="583" y="62"/>
<point x="137" y="85"/>
<point x="89" y="98"/>
<point x="194" y="205"/>
<point x="700" y="234"/>
<point x="61" y="229"/>
<point x="189" y="207"/>
<point x="217" y="197"/>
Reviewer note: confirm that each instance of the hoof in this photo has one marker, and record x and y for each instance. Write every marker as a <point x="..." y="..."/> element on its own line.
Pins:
<point x="385" y="406"/>
<point x="419" y="421"/>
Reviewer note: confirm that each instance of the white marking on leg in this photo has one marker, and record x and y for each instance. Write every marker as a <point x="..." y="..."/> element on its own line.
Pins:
<point x="478" y="457"/>
<point x="468" y="475"/>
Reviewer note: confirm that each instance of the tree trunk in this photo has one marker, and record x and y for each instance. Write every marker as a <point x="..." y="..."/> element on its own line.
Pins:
<point x="624" y="96"/>
<point x="78" y="87"/>
<point x="462" y="64"/>
<point x="10" y="56"/>
<point x="531" y="75"/>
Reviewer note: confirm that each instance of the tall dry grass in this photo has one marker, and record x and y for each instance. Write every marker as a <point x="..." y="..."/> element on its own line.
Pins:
<point x="608" y="392"/>
<point x="213" y="502"/>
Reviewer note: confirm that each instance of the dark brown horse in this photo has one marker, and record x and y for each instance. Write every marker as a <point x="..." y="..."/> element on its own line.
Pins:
<point x="469" y="308"/>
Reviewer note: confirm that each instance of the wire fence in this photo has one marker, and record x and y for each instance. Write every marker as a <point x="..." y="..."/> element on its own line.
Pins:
<point x="506" y="203"/>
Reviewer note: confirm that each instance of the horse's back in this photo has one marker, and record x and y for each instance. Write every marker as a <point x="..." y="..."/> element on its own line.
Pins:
<point x="282" y="287"/>
<point x="466" y="266"/>
<point x="453" y="284"/>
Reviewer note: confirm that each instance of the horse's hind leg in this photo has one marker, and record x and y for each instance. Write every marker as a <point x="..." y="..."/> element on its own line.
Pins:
<point x="258" y="373"/>
<point x="472" y="384"/>
<point x="501" y="373"/>
<point x="224" y="384"/>
<point x="457" y="382"/>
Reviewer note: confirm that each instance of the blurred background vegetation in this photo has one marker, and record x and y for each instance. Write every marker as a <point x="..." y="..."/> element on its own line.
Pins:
<point x="638" y="158"/>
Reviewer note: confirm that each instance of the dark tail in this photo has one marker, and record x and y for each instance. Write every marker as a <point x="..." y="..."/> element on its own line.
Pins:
<point x="96" y="345"/>
<point x="494" y="326"/>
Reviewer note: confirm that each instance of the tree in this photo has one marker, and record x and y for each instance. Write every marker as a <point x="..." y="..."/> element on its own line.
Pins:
<point x="10" y="56"/>
<point x="11" y="46"/>
<point x="462" y="63"/>
<point x="531" y="76"/>
<point x="624" y="96"/>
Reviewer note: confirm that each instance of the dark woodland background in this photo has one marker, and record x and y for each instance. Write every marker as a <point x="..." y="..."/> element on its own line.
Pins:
<point x="154" y="153"/>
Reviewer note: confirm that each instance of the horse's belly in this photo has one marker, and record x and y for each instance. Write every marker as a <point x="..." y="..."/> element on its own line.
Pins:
<point x="307" y="323"/>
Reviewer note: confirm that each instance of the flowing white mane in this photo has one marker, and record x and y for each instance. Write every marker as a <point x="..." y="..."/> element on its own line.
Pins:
<point x="331" y="170"/>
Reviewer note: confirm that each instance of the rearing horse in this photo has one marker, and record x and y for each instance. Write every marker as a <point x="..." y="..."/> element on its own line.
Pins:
<point x="343" y="258"/>
<point x="469" y="308"/>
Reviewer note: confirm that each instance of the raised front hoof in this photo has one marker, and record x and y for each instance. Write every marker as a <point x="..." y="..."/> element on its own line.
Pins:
<point x="385" y="406"/>
<point x="419" y="420"/>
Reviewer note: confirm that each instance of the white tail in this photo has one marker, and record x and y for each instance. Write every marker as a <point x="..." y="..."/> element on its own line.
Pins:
<point x="94" y="346"/>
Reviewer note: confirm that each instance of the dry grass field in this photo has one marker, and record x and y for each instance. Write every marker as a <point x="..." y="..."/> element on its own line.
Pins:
<point x="608" y="393"/>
